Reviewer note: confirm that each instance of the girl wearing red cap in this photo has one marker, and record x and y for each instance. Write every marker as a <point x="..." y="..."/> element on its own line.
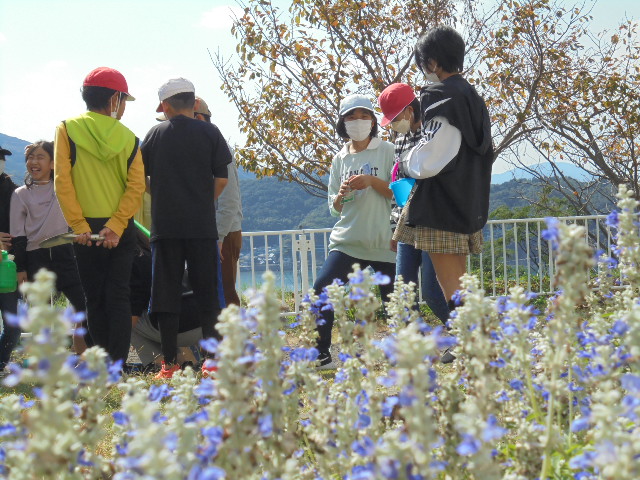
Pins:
<point x="99" y="181"/>
<point x="401" y="111"/>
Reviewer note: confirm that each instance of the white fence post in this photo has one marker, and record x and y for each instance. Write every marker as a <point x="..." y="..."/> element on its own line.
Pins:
<point x="301" y="246"/>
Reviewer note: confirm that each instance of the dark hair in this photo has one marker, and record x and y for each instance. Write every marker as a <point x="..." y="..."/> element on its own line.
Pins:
<point x="415" y="105"/>
<point x="444" y="46"/>
<point x="47" y="147"/>
<point x="97" y="98"/>
<point x="182" y="101"/>
<point x="341" y="129"/>
<point x="207" y="118"/>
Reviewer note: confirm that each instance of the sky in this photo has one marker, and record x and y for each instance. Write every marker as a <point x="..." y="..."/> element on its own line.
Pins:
<point x="47" y="47"/>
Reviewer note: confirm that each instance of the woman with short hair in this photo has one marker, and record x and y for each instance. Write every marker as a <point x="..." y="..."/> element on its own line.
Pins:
<point x="452" y="163"/>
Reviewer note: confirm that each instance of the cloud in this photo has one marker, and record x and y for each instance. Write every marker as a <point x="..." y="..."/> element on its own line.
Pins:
<point x="220" y="18"/>
<point x="3" y="38"/>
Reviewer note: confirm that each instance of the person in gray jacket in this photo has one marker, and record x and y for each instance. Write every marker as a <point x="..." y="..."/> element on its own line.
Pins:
<point x="228" y="219"/>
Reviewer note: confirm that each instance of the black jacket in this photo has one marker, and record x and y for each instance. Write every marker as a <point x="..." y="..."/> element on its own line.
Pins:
<point x="457" y="199"/>
<point x="6" y="189"/>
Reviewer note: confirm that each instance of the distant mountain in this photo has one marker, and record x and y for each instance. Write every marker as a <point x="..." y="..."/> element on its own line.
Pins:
<point x="244" y="175"/>
<point x="568" y="169"/>
<point x="15" y="163"/>
<point x="270" y="204"/>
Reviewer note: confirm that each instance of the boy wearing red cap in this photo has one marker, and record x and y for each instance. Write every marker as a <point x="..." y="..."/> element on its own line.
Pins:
<point x="99" y="181"/>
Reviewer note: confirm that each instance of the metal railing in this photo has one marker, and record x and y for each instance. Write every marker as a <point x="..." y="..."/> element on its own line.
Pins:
<point x="514" y="253"/>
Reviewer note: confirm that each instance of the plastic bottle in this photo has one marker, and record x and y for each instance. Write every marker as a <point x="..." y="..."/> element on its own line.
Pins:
<point x="8" y="275"/>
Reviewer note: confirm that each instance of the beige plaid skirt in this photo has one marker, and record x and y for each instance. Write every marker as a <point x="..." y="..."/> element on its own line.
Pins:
<point x="437" y="241"/>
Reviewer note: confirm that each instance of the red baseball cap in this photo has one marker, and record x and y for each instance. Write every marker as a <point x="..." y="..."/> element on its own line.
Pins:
<point x="393" y="100"/>
<point x="108" y="78"/>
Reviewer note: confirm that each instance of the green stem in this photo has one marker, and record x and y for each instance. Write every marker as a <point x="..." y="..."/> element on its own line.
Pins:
<point x="570" y="439"/>
<point x="532" y="394"/>
<point x="550" y="413"/>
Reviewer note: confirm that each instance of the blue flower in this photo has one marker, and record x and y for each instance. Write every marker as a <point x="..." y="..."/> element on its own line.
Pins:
<point x="362" y="472"/>
<point x="389" y="468"/>
<point x="44" y="365"/>
<point x="207" y="388"/>
<point x="120" y="418"/>
<point x="388" y="405"/>
<point x="364" y="448"/>
<point x="341" y="376"/>
<point x="357" y="293"/>
<point x="630" y="382"/>
<point x="84" y="373"/>
<point x="407" y="396"/>
<point x="612" y="220"/>
<point x="552" y="233"/>
<point x="493" y="431"/>
<point x="362" y="399"/>
<point x="213" y="434"/>
<point x="304" y="354"/>
<point x="380" y="279"/>
<point x="389" y="381"/>
<point x="363" y="421"/>
<point x="356" y="277"/>
<point x="171" y="442"/>
<point x="503" y="396"/>
<point x="209" y="345"/>
<point x="344" y="357"/>
<point x="265" y="425"/>
<point x="619" y="328"/>
<point x="114" y="371"/>
<point x="575" y="388"/>
<point x="7" y="429"/>
<point x="468" y="446"/>
<point x="206" y="473"/>
<point x="158" y="392"/>
<point x="291" y="389"/>
<point x="81" y="460"/>
<point x="199" y="415"/>
<point x="583" y="461"/>
<point x="388" y="346"/>
<point x="122" y="450"/>
<point x="516" y="384"/>
<point x="499" y="363"/>
<point x="580" y="424"/>
<point x="438" y="465"/>
<point x="457" y="297"/>
<point x="444" y="341"/>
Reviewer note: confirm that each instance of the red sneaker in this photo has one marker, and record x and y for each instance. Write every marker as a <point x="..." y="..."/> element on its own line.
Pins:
<point x="167" y="371"/>
<point x="209" y="368"/>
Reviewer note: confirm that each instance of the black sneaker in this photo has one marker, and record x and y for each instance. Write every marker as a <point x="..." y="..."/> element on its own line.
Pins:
<point x="325" y="362"/>
<point x="447" y="356"/>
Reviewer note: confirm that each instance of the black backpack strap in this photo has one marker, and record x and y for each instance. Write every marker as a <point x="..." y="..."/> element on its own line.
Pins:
<point x="72" y="146"/>
<point x="133" y="153"/>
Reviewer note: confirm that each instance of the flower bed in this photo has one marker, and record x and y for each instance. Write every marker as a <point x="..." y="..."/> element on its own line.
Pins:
<point x="532" y="394"/>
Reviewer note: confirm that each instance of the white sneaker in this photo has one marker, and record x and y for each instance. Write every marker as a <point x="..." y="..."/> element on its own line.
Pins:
<point x="325" y="362"/>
